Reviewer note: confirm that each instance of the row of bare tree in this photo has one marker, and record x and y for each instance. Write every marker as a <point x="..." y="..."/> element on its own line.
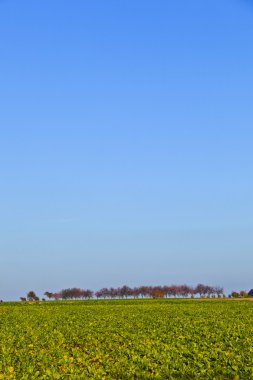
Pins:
<point x="125" y="291"/>
<point x="183" y="291"/>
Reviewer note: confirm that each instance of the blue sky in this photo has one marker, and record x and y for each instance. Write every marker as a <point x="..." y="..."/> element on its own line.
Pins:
<point x="125" y="144"/>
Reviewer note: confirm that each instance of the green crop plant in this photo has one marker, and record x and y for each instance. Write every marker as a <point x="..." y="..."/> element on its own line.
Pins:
<point x="127" y="339"/>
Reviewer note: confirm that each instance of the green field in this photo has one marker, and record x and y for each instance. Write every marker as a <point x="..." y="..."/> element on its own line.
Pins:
<point x="127" y="339"/>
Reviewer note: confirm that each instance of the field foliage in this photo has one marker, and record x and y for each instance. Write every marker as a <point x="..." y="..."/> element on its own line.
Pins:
<point x="127" y="339"/>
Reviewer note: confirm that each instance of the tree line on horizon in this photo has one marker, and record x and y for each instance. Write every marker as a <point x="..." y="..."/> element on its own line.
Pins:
<point x="166" y="291"/>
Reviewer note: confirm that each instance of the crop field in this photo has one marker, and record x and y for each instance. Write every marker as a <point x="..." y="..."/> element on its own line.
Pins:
<point x="127" y="339"/>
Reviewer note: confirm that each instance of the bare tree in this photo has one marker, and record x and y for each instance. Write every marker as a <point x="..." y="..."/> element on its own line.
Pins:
<point x="31" y="296"/>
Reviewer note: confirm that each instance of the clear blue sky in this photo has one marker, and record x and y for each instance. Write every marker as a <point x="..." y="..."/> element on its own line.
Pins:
<point x="126" y="144"/>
